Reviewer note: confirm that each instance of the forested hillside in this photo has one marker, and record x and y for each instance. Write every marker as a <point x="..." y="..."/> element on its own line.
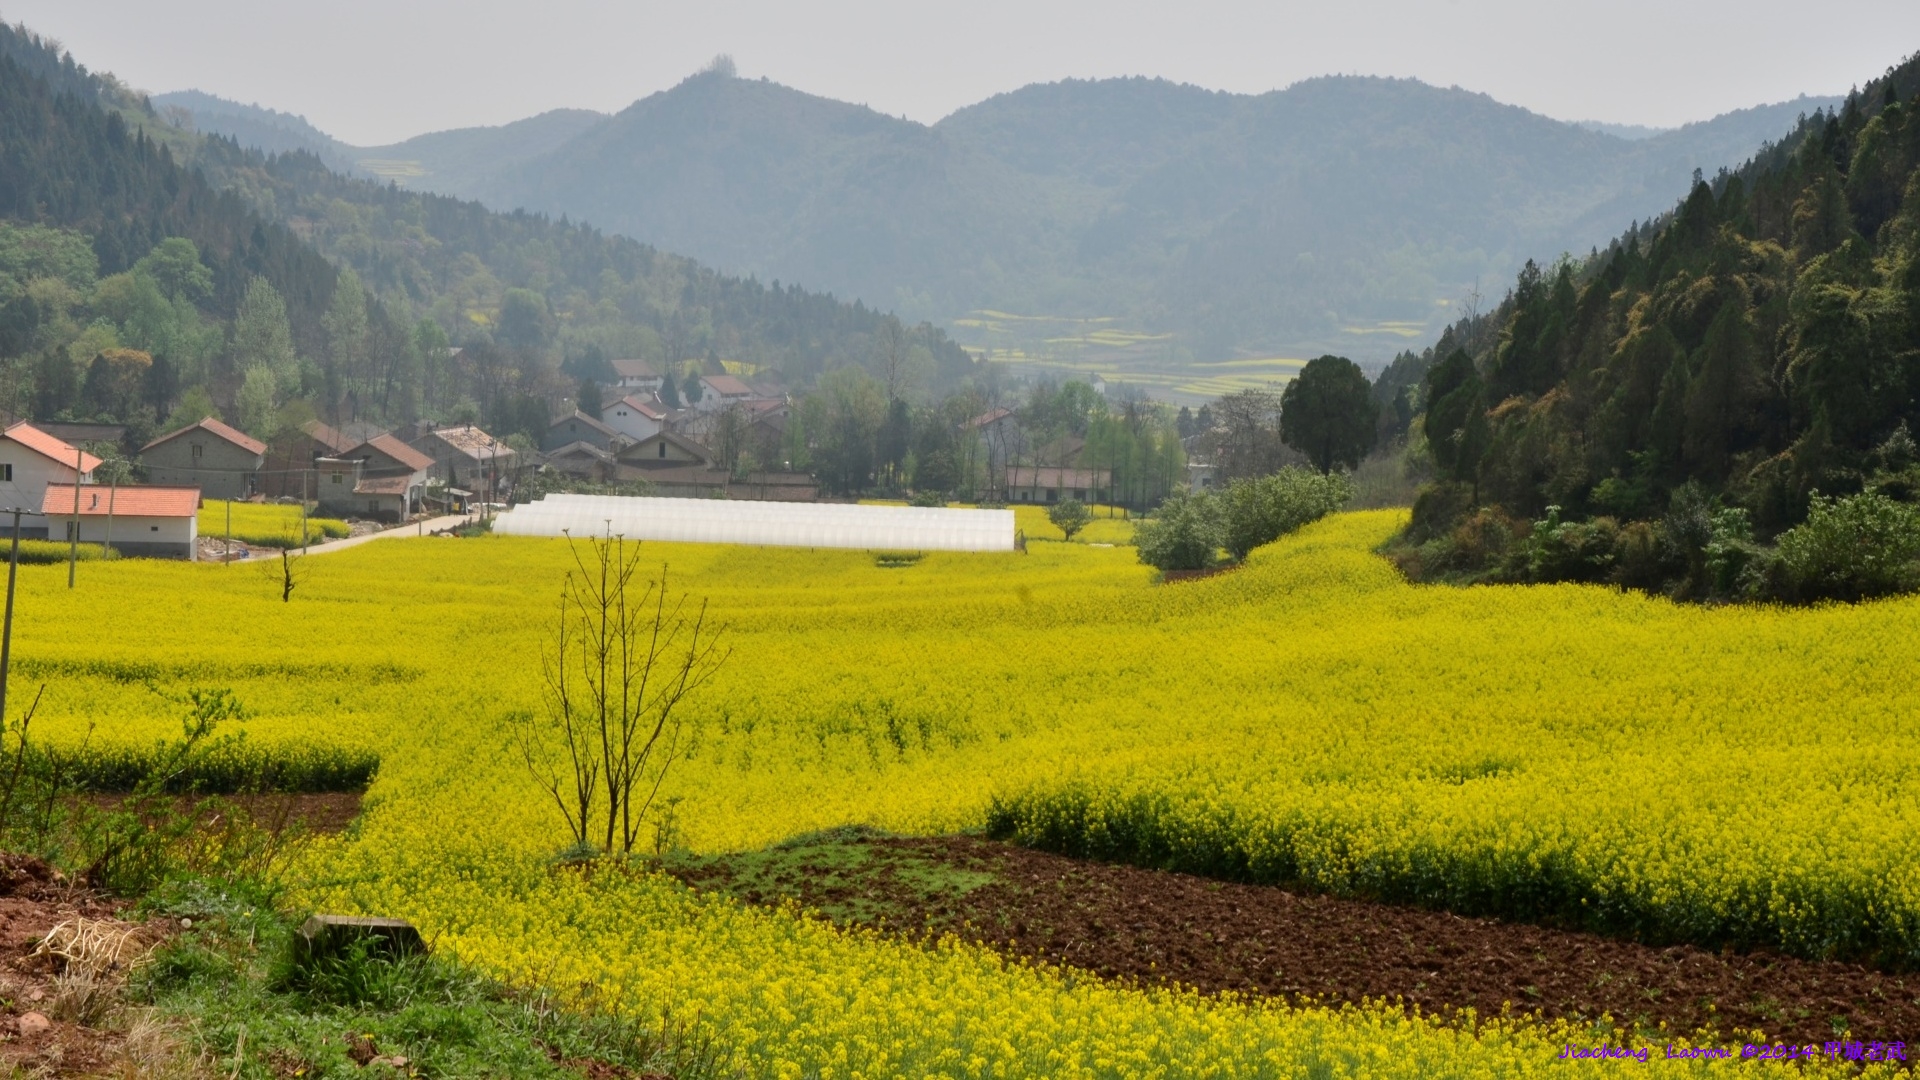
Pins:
<point x="1663" y="409"/>
<point x="1341" y="214"/>
<point x="135" y="286"/>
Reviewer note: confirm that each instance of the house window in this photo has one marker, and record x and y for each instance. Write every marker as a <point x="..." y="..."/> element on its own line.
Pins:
<point x="663" y="449"/>
<point x="1080" y="493"/>
<point x="1053" y="494"/>
<point x="373" y="506"/>
<point x="196" y="451"/>
<point x="153" y="528"/>
<point x="6" y="472"/>
<point x="336" y="477"/>
<point x="71" y="525"/>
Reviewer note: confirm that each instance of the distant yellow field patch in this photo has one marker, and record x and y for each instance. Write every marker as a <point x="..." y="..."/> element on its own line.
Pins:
<point x="393" y="168"/>
<point x="1260" y="362"/>
<point x="1394" y="329"/>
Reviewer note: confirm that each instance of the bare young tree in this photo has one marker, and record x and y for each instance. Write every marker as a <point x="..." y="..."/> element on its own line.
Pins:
<point x="623" y="658"/>
<point x="292" y="573"/>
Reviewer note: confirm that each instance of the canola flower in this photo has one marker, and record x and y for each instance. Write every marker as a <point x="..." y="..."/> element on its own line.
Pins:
<point x="1732" y="774"/>
<point x="264" y="524"/>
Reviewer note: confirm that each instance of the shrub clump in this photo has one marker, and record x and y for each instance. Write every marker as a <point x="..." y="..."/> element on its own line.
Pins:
<point x="1188" y="530"/>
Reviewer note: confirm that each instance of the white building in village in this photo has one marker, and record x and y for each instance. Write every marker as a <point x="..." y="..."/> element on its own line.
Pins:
<point x="30" y="459"/>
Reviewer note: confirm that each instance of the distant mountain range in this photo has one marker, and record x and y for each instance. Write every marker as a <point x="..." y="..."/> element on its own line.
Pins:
<point x="1130" y="225"/>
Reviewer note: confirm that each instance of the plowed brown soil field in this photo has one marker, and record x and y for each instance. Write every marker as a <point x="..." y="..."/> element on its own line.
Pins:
<point x="1146" y="926"/>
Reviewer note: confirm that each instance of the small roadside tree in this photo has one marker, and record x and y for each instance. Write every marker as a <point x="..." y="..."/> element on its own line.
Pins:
<point x="1069" y="516"/>
<point x="623" y="658"/>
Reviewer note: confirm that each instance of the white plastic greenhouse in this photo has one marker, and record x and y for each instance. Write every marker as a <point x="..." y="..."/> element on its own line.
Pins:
<point x="782" y="524"/>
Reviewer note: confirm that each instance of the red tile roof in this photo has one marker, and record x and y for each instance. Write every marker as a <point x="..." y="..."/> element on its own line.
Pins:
<point x="46" y="445"/>
<point x="124" y="501"/>
<point x="992" y="417"/>
<point x="407" y="456"/>
<point x="633" y="369"/>
<point x="649" y="409"/>
<point x="727" y="386"/>
<point x="335" y="441"/>
<point x="219" y="431"/>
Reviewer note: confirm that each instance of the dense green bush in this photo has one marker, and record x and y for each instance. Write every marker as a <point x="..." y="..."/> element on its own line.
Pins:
<point x="1262" y="510"/>
<point x="1188" y="530"/>
<point x="1556" y="550"/>
<point x="1853" y="548"/>
<point x="1184" y="534"/>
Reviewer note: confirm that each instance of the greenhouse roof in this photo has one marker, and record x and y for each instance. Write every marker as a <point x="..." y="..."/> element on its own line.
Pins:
<point x="781" y="524"/>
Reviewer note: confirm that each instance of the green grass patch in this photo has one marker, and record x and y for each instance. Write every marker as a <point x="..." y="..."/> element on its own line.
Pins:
<point x="230" y="985"/>
<point x="866" y="884"/>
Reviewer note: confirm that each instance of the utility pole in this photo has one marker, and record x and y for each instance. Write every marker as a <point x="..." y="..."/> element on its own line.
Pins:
<point x="226" y="556"/>
<point x="106" y="546"/>
<point x="73" y="541"/>
<point x="6" y="635"/>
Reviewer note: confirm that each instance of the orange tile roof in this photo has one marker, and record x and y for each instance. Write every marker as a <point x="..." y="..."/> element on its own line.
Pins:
<point x="47" y="446"/>
<point x="219" y="431"/>
<point x="125" y="501"/>
<point x="400" y="452"/>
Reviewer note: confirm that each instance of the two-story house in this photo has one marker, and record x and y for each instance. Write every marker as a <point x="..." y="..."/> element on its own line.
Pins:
<point x="30" y="459"/>
<point x="222" y="462"/>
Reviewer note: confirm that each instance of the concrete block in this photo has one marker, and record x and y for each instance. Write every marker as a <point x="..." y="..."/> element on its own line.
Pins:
<point x="330" y="935"/>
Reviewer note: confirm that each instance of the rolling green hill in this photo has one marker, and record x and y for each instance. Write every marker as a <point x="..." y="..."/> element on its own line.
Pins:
<point x="1340" y="214"/>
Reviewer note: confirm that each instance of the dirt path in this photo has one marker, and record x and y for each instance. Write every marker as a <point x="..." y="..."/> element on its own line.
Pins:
<point x="1143" y="925"/>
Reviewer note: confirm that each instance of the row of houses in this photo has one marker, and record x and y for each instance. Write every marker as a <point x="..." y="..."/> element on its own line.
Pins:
<point x="357" y="472"/>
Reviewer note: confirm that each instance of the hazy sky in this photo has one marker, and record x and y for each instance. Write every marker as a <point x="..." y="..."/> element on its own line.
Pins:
<point x="377" y="71"/>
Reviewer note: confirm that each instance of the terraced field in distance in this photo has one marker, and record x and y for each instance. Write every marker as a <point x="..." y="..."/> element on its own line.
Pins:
<point x="1069" y="347"/>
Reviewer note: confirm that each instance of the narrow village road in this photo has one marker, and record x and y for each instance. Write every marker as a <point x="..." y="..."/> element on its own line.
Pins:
<point x="399" y="532"/>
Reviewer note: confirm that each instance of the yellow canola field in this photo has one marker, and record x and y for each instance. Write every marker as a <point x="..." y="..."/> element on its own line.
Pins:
<point x="1742" y="769"/>
<point x="265" y="524"/>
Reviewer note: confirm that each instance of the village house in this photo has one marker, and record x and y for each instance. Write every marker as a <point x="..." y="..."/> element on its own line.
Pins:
<point x="466" y="457"/>
<point x="719" y="391"/>
<point x="636" y="376"/>
<point x="153" y="520"/>
<point x="636" y="416"/>
<point x="584" y="460"/>
<point x="998" y="440"/>
<point x="289" y="467"/>
<point x="579" y="427"/>
<point x="334" y="479"/>
<point x="1048" y="484"/>
<point x="221" y="462"/>
<point x="385" y="459"/>
<point x="81" y="434"/>
<point x="383" y="498"/>
<point x="675" y="466"/>
<point x="30" y="459"/>
<point x="678" y="467"/>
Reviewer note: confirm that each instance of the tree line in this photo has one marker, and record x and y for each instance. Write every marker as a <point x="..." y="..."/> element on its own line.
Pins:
<point x="1660" y="413"/>
<point x="269" y="288"/>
